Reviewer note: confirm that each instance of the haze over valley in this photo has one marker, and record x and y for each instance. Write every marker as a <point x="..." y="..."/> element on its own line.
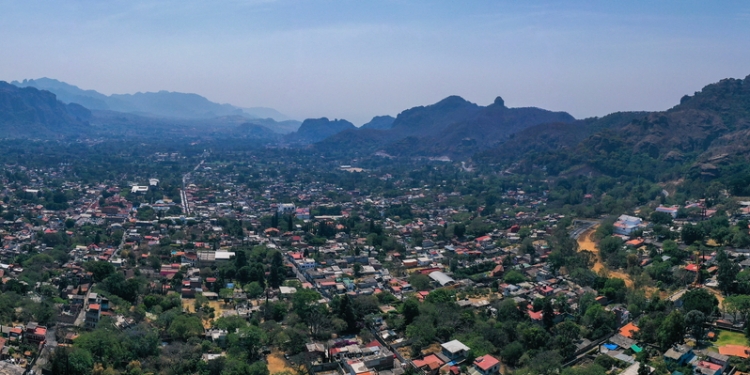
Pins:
<point x="374" y="188"/>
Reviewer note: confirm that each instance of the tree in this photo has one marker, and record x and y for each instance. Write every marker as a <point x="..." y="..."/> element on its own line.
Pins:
<point x="566" y="334"/>
<point x="304" y="301"/>
<point x="100" y="270"/>
<point x="253" y="290"/>
<point x="246" y="342"/>
<point x="661" y="218"/>
<point x="410" y="310"/>
<point x="546" y="363"/>
<point x="357" y="267"/>
<point x="599" y="320"/>
<point x="422" y="331"/>
<point x="440" y="296"/>
<point x="226" y="294"/>
<point x="71" y="361"/>
<point x="699" y="299"/>
<point x="694" y="320"/>
<point x="258" y="368"/>
<point x="512" y="353"/>
<point x="615" y="289"/>
<point x="548" y="314"/>
<point x="691" y="233"/>
<point x="671" y="330"/>
<point x="727" y="274"/>
<point x="184" y="327"/>
<point x="277" y="271"/>
<point x="240" y="259"/>
<point x="419" y="281"/>
<point x="589" y="369"/>
<point x="643" y="369"/>
<point x="345" y="310"/>
<point x="507" y="311"/>
<point x="609" y="246"/>
<point x="513" y="277"/>
<point x="243" y="274"/>
<point x="737" y="304"/>
<point x="459" y="230"/>
<point x="125" y="289"/>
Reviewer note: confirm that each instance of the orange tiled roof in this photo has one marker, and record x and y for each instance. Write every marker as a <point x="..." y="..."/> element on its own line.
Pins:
<point x="735" y="350"/>
<point x="628" y="330"/>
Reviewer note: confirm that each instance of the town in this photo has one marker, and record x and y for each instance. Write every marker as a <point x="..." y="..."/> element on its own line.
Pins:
<point x="205" y="262"/>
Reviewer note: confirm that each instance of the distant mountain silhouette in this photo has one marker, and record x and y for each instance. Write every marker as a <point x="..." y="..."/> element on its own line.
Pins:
<point x="33" y="113"/>
<point x="452" y="126"/>
<point x="379" y="123"/>
<point x="162" y="103"/>
<point x="315" y="130"/>
<point x="265" y="112"/>
<point x="280" y="127"/>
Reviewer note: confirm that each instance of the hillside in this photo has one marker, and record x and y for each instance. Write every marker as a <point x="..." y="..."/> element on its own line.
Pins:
<point x="315" y="130"/>
<point x="379" y="123"/>
<point x="555" y="136"/>
<point x="706" y="135"/>
<point x="452" y="126"/>
<point x="32" y="113"/>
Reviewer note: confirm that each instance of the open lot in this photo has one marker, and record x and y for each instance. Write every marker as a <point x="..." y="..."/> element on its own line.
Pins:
<point x="730" y="338"/>
<point x="277" y="363"/>
<point x="218" y="306"/>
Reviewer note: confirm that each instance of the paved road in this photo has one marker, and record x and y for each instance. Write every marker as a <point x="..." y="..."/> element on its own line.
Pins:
<point x="581" y="227"/>
<point x="183" y="194"/>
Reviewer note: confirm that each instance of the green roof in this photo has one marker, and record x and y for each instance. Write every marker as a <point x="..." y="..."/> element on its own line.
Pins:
<point x="636" y="348"/>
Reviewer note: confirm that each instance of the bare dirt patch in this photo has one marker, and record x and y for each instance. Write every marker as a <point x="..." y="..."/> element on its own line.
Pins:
<point x="405" y="351"/>
<point x="277" y="363"/>
<point x="432" y="349"/>
<point x="188" y="304"/>
<point x="586" y="243"/>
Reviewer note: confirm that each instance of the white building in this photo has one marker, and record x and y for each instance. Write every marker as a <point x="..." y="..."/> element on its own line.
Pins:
<point x="626" y="224"/>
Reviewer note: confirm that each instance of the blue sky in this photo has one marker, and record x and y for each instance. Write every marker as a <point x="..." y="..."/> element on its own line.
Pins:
<point x="357" y="59"/>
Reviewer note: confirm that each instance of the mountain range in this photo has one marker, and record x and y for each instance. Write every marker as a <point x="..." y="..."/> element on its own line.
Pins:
<point x="165" y="104"/>
<point x="703" y="133"/>
<point x="316" y="130"/>
<point x="31" y="113"/>
<point x="451" y="127"/>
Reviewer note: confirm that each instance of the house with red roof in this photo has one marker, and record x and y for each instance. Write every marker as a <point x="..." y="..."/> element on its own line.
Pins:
<point x="708" y="368"/>
<point x="485" y="365"/>
<point x="536" y="316"/>
<point x="498" y="271"/>
<point x="429" y="364"/>
<point x="35" y="334"/>
<point x="629" y="330"/>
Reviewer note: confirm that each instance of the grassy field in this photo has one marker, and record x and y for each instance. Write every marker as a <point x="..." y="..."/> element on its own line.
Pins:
<point x="730" y="338"/>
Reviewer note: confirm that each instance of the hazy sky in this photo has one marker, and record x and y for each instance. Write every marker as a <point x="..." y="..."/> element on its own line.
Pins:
<point x="356" y="59"/>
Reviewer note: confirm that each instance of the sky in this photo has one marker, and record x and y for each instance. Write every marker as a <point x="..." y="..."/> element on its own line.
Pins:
<point x="355" y="59"/>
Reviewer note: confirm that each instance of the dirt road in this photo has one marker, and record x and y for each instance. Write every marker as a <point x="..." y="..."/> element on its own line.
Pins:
<point x="586" y="242"/>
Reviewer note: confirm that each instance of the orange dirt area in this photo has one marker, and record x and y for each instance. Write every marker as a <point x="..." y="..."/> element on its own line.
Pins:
<point x="219" y="307"/>
<point x="277" y="363"/>
<point x="718" y="295"/>
<point x="405" y="351"/>
<point x="586" y="243"/>
<point x="432" y="349"/>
